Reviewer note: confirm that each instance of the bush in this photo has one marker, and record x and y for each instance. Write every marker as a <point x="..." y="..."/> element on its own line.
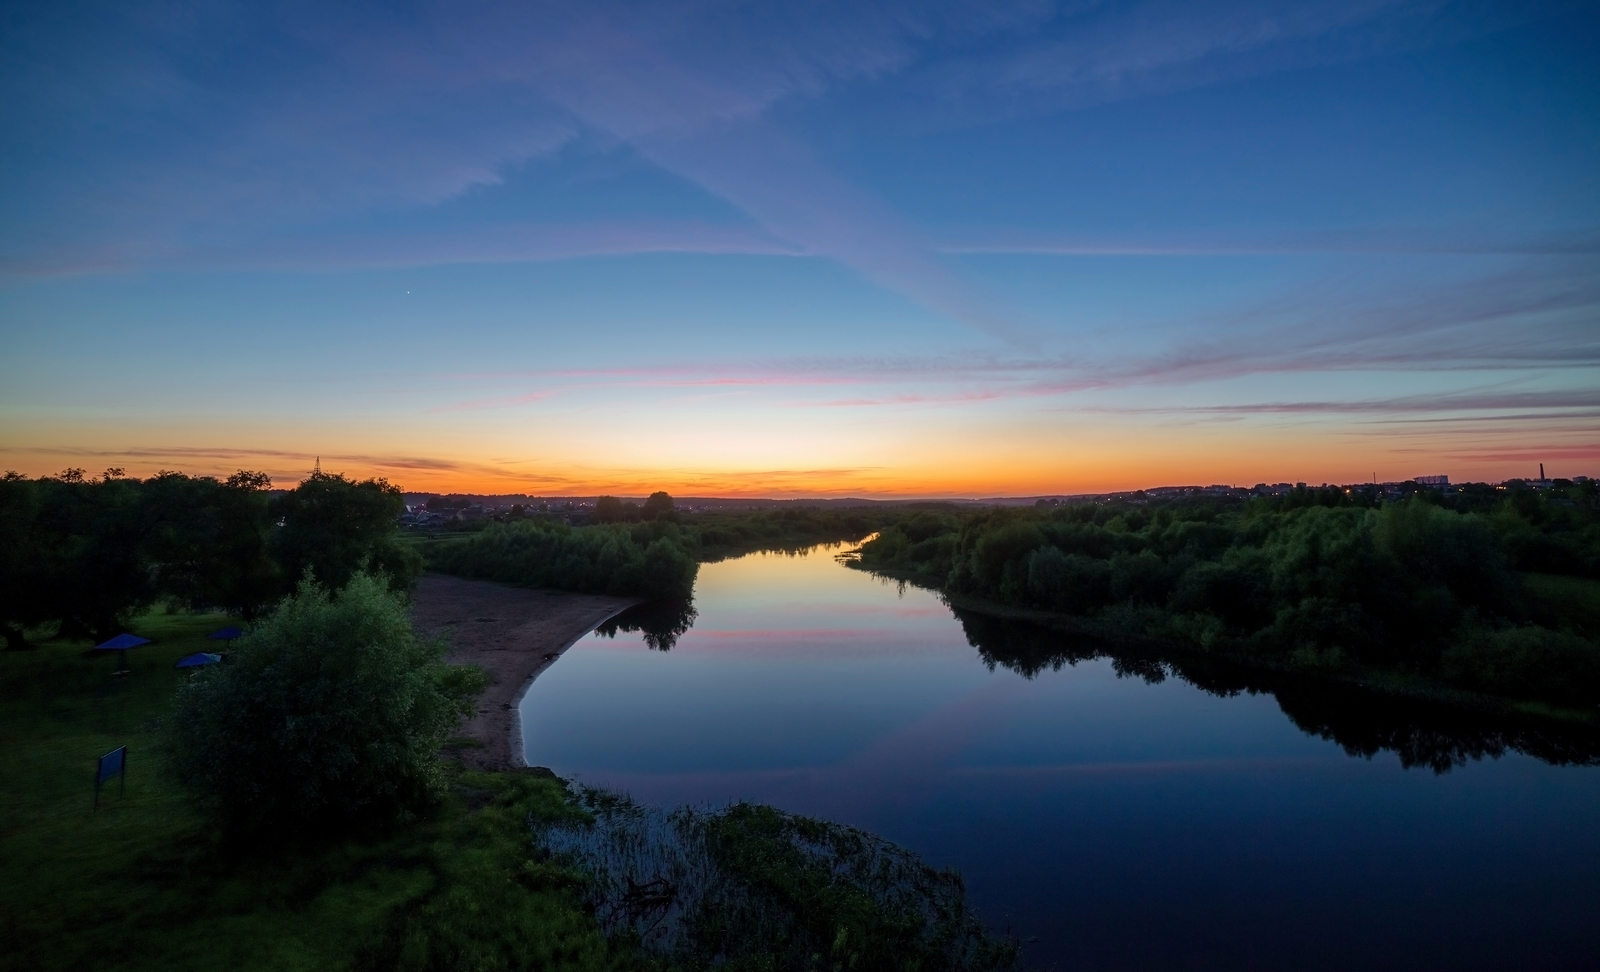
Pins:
<point x="1070" y="582"/>
<point x="329" y="713"/>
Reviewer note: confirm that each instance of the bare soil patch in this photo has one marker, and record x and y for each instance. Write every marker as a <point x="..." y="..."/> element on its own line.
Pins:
<point x="513" y="634"/>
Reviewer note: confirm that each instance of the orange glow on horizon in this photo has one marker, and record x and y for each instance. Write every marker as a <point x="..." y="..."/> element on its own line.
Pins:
<point x="987" y="472"/>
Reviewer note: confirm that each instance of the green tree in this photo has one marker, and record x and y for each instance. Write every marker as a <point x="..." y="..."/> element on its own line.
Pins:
<point x="658" y="505"/>
<point x="89" y="553"/>
<point x="335" y="526"/>
<point x="608" y="509"/>
<point x="22" y="596"/>
<point x="208" y="540"/>
<point x="330" y="712"/>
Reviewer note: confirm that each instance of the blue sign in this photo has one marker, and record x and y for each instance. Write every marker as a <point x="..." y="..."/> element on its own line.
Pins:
<point x="114" y="763"/>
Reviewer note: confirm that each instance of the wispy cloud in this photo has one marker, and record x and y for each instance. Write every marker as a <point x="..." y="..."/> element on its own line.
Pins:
<point x="954" y="398"/>
<point x="1093" y="54"/>
<point x="1535" y="317"/>
<point x="1483" y="401"/>
<point x="230" y="454"/>
<point x="1530" y="454"/>
<point x="1459" y="241"/>
<point x="398" y="113"/>
<point x="361" y="115"/>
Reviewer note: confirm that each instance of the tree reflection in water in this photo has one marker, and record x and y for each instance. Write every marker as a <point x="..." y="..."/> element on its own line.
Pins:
<point x="1363" y="722"/>
<point x="662" y="621"/>
<point x="1438" y="736"/>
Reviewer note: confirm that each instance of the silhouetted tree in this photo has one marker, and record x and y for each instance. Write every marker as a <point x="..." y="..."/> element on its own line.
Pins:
<point x="659" y="505"/>
<point x="333" y="526"/>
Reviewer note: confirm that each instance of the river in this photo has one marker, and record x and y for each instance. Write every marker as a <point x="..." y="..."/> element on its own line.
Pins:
<point x="1108" y="811"/>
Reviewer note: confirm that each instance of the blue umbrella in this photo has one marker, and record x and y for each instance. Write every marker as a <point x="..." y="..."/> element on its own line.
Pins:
<point x="226" y="634"/>
<point x="198" y="659"/>
<point x="121" y="643"/>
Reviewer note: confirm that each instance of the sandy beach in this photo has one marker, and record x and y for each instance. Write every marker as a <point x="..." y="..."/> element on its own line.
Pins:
<point x="513" y="634"/>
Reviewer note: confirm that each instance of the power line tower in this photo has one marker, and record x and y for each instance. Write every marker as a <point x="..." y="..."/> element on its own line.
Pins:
<point x="317" y="469"/>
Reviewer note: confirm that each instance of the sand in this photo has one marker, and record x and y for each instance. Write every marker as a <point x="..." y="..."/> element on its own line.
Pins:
<point x="513" y="634"/>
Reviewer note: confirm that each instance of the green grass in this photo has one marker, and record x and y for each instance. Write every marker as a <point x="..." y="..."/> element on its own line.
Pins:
<point x="146" y="884"/>
<point x="1574" y="600"/>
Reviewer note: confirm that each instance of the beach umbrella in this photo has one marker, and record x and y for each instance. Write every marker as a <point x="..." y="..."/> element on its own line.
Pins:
<point x="120" y="644"/>
<point x="198" y="659"/>
<point x="226" y="634"/>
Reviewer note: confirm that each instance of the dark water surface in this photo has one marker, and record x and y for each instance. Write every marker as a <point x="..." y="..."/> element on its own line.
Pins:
<point x="1122" y="823"/>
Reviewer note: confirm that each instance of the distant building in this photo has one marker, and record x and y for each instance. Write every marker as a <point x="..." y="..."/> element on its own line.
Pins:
<point x="1433" y="480"/>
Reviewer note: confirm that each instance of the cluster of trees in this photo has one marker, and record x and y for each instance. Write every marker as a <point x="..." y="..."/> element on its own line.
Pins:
<point x="652" y="559"/>
<point x="728" y="533"/>
<point x="1414" y="586"/>
<point x="658" y="506"/>
<point x="86" y="554"/>
<point x="629" y="549"/>
<point x="1554" y="530"/>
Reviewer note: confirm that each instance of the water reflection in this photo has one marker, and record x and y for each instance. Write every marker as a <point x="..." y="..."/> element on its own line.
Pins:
<point x="661" y="622"/>
<point x="1130" y="810"/>
<point x="1363" y="723"/>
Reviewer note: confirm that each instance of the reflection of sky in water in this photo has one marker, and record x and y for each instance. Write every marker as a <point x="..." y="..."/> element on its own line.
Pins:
<point x="1127" y="825"/>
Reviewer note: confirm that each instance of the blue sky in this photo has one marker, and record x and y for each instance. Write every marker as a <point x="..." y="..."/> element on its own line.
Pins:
<point x="820" y="248"/>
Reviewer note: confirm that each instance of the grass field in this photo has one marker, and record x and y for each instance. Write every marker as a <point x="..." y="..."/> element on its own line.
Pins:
<point x="144" y="884"/>
<point x="1574" y="600"/>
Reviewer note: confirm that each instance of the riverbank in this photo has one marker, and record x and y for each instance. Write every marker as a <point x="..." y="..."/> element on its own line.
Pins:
<point x="1369" y="678"/>
<point x="513" y="634"/>
<point x="146" y="883"/>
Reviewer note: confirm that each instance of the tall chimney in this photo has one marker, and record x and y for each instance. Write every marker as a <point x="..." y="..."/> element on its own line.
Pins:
<point x="1541" y="472"/>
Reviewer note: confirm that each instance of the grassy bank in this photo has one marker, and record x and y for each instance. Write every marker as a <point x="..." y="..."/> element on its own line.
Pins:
<point x="145" y="883"/>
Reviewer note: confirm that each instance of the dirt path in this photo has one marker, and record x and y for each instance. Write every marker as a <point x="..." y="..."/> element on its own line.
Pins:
<point x="512" y="633"/>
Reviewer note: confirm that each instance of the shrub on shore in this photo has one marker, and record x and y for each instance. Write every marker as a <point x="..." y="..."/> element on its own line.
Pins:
<point x="330" y="712"/>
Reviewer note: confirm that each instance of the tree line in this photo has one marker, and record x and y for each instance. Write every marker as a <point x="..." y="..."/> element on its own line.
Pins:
<point x="1429" y="587"/>
<point x="652" y="559"/>
<point x="84" y="555"/>
<point x="650" y="551"/>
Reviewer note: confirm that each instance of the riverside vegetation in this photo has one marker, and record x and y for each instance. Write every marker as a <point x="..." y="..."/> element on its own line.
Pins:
<point x="291" y="809"/>
<point x="651" y="551"/>
<point x="1482" y="593"/>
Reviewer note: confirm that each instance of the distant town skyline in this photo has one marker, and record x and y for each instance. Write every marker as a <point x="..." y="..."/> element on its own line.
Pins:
<point x="825" y="250"/>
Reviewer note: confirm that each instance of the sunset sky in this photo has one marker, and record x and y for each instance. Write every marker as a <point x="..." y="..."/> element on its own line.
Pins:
<point x="931" y="249"/>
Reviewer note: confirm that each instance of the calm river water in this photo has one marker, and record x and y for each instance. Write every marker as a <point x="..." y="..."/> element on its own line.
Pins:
<point x="1109" y="821"/>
